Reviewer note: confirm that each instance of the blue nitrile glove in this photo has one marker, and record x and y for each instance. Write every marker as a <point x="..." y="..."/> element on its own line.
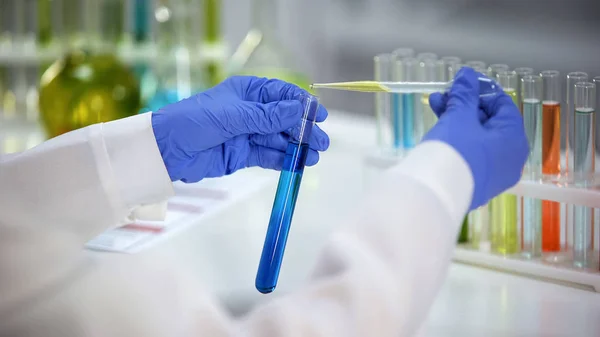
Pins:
<point x="488" y="133"/>
<point x="244" y="121"/>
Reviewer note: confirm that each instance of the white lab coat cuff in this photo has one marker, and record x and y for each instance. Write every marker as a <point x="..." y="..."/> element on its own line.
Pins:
<point x="139" y="171"/>
<point x="443" y="170"/>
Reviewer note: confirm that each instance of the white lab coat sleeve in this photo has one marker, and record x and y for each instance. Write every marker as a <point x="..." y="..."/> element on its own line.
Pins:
<point x="379" y="274"/>
<point x="85" y="181"/>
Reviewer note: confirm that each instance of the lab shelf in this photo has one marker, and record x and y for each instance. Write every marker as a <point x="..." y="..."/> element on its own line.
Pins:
<point x="550" y="268"/>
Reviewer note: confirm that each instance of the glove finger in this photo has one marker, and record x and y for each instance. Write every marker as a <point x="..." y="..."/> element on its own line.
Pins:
<point x="500" y="105"/>
<point x="264" y="90"/>
<point x="264" y="119"/>
<point x="318" y="141"/>
<point x="463" y="97"/>
<point x="438" y="102"/>
<point x="321" y="114"/>
<point x="272" y="159"/>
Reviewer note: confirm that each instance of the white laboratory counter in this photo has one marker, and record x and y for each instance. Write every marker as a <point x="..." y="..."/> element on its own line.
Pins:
<point x="223" y="251"/>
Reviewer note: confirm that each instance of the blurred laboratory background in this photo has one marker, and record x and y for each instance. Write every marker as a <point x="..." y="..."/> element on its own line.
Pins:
<point x="159" y="51"/>
<point x="65" y="64"/>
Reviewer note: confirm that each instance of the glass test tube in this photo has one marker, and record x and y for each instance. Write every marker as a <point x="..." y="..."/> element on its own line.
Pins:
<point x="19" y="72"/>
<point x="5" y="44"/>
<point x="504" y="208"/>
<point x="479" y="66"/>
<point x="407" y="71"/>
<point x="453" y="69"/>
<point x="427" y="73"/>
<point x="427" y="56"/>
<point x="551" y="229"/>
<point x="479" y="219"/>
<point x="596" y="81"/>
<point x="521" y="72"/>
<point x="531" y="87"/>
<point x="422" y="119"/>
<point x="508" y="82"/>
<point x="567" y="170"/>
<point x="572" y="78"/>
<point x="213" y="35"/>
<point x="398" y="99"/>
<point x="400" y="53"/>
<point x="285" y="200"/>
<point x="494" y="69"/>
<point x="448" y="67"/>
<point x="389" y="134"/>
<point x="584" y="156"/>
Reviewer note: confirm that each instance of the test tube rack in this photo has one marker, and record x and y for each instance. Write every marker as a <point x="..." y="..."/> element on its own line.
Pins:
<point x="556" y="271"/>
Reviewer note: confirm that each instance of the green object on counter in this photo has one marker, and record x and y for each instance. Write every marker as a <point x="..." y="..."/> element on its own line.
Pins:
<point x="82" y="88"/>
<point x="212" y="21"/>
<point x="44" y="14"/>
<point x="215" y="72"/>
<point x="463" y="236"/>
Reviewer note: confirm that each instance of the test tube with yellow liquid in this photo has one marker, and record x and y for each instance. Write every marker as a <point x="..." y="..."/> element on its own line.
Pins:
<point x="427" y="74"/>
<point x="504" y="215"/>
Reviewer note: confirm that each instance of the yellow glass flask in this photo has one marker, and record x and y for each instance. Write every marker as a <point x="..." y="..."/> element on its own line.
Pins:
<point x="82" y="88"/>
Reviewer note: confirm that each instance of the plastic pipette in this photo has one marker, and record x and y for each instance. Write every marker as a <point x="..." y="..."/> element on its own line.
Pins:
<point x="285" y="200"/>
<point x="487" y="86"/>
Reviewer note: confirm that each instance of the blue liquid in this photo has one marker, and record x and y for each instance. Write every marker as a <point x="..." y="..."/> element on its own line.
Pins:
<point x="140" y="19"/>
<point x="408" y="107"/>
<point x="397" y="106"/>
<point x="161" y="98"/>
<point x="281" y="217"/>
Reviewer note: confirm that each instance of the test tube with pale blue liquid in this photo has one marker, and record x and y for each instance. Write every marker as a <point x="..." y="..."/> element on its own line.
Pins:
<point x="584" y="158"/>
<point x="532" y="95"/>
<point x="398" y="103"/>
<point x="388" y="134"/>
<point x="285" y="199"/>
<point x="406" y="70"/>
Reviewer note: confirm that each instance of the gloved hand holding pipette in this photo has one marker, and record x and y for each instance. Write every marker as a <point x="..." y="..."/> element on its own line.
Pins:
<point x="242" y="122"/>
<point x="487" y="132"/>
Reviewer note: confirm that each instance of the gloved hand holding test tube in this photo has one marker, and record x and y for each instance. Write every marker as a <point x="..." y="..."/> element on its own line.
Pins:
<point x="285" y="199"/>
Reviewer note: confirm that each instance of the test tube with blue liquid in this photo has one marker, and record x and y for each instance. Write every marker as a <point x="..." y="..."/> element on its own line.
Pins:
<point x="406" y="70"/>
<point x="285" y="199"/>
<point x="398" y="99"/>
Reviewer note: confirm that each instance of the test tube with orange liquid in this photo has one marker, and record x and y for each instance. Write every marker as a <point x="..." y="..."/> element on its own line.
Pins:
<point x="551" y="229"/>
